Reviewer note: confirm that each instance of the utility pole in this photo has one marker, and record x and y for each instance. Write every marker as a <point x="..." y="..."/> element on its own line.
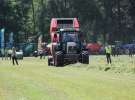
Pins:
<point x="65" y="4"/>
<point x="34" y="22"/>
<point x="3" y="22"/>
<point x="119" y="20"/>
<point x="104" y="24"/>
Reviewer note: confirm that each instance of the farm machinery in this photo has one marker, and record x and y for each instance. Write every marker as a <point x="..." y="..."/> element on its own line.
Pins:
<point x="66" y="45"/>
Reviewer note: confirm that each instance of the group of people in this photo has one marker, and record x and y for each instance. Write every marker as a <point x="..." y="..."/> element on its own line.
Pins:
<point x="116" y="51"/>
<point x="41" y="53"/>
<point x="11" y="54"/>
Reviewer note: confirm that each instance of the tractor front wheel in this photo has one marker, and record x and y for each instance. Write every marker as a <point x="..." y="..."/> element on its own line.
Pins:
<point x="50" y="59"/>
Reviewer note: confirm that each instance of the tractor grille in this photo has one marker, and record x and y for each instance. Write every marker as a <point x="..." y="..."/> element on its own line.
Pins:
<point x="72" y="50"/>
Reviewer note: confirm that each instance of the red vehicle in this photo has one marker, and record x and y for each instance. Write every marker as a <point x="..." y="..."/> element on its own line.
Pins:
<point x="65" y="42"/>
<point x="93" y="47"/>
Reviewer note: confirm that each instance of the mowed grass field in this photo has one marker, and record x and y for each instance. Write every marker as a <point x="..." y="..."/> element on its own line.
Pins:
<point x="34" y="80"/>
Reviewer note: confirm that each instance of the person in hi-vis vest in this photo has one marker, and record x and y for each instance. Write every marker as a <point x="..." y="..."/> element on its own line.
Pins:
<point x="108" y="51"/>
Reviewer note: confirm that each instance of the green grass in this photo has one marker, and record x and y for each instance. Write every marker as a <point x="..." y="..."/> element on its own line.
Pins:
<point x="34" y="80"/>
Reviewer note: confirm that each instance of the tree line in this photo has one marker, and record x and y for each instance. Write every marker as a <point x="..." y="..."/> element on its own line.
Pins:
<point x="100" y="20"/>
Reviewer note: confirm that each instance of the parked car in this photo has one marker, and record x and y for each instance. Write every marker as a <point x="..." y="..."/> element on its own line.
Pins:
<point x="19" y="54"/>
<point x="35" y="53"/>
<point x="93" y="48"/>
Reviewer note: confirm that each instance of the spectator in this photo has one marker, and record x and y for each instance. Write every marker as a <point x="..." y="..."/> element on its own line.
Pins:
<point x="41" y="53"/>
<point x="14" y="58"/>
<point x="6" y="54"/>
<point x="44" y="53"/>
<point x="117" y="51"/>
<point x="130" y="52"/>
<point x="113" y="51"/>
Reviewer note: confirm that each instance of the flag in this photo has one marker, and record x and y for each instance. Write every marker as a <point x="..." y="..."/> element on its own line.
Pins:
<point x="2" y="40"/>
<point x="2" y="37"/>
<point x="10" y="44"/>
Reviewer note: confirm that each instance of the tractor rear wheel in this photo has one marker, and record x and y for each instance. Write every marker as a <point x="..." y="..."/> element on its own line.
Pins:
<point x="85" y="57"/>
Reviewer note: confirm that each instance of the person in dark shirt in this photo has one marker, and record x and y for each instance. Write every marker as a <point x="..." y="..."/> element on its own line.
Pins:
<point x="130" y="52"/>
<point x="14" y="58"/>
<point x="41" y="53"/>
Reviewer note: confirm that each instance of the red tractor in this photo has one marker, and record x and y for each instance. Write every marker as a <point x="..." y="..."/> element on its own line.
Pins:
<point x="66" y="46"/>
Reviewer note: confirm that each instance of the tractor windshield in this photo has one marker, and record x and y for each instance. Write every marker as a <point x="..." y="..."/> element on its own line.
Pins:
<point x="70" y="37"/>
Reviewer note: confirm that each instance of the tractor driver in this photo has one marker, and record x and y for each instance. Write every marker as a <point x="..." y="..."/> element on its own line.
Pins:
<point x="55" y="38"/>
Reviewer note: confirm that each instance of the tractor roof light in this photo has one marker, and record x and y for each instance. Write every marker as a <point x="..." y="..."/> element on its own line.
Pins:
<point x="61" y="29"/>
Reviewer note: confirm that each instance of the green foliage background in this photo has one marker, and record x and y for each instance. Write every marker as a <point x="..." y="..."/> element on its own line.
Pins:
<point x="106" y="20"/>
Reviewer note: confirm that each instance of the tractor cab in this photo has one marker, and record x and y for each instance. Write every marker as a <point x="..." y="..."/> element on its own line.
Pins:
<point x="69" y="41"/>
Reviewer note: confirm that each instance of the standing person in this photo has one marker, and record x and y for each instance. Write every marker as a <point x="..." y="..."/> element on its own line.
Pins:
<point x="108" y="51"/>
<point x="14" y="58"/>
<point x="117" y="51"/>
<point x="6" y="54"/>
<point x="44" y="53"/>
<point x="130" y="52"/>
<point x="2" y="53"/>
<point x="133" y="50"/>
<point x="113" y="51"/>
<point x="41" y="53"/>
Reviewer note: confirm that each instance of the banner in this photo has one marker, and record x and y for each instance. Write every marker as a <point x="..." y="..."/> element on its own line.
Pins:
<point x="10" y="44"/>
<point x="2" y="40"/>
